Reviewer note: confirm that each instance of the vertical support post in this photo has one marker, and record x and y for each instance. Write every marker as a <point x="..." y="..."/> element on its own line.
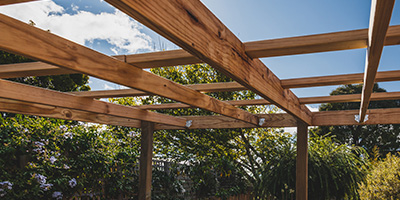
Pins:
<point x="302" y="162"/>
<point x="146" y="155"/>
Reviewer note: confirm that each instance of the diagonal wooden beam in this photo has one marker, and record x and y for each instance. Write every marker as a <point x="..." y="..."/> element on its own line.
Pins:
<point x="31" y="69"/>
<point x="8" y="2"/>
<point x="27" y="93"/>
<point x="190" y="25"/>
<point x="20" y="107"/>
<point x="381" y="12"/>
<point x="44" y="46"/>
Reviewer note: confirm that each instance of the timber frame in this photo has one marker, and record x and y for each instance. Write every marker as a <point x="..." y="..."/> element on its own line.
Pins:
<point x="203" y="39"/>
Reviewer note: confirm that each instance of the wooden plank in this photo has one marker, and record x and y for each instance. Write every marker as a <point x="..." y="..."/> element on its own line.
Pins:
<point x="42" y="45"/>
<point x="27" y="93"/>
<point x="20" y="107"/>
<point x="302" y="162"/>
<point x="381" y="12"/>
<point x="31" y="69"/>
<point x="146" y="156"/>
<point x="261" y="48"/>
<point x="8" y="2"/>
<point x="346" y="117"/>
<point x="325" y="118"/>
<point x="234" y="86"/>
<point x="190" y="25"/>
<point x="222" y="122"/>
<point x="208" y="87"/>
<point x="306" y="100"/>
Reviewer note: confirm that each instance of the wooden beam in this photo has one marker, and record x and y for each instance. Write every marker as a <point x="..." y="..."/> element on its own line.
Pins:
<point x="302" y="162"/>
<point x="192" y="26"/>
<point x="346" y="117"/>
<point x="306" y="100"/>
<point x="42" y="45"/>
<point x="324" y="118"/>
<point x="20" y="107"/>
<point x="234" y="86"/>
<point x="381" y="12"/>
<point x="146" y="164"/>
<point x="297" y="45"/>
<point x="222" y="122"/>
<point x="31" y="69"/>
<point x="8" y="2"/>
<point x="27" y="93"/>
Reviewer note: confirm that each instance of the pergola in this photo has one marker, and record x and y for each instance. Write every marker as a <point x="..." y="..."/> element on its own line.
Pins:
<point x="203" y="39"/>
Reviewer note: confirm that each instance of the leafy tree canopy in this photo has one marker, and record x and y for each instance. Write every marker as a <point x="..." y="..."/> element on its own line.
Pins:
<point x="367" y="136"/>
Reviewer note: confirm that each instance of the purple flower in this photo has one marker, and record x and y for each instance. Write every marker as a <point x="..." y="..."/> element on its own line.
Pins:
<point x="57" y="195"/>
<point x="72" y="183"/>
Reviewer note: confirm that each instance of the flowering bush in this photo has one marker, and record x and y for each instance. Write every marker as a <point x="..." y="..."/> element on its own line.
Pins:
<point x="53" y="159"/>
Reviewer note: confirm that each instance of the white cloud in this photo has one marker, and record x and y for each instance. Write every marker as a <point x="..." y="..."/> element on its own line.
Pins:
<point x="107" y="87"/>
<point x="116" y="28"/>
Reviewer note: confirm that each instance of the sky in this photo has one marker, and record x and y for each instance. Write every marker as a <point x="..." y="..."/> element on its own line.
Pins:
<point x="99" y="26"/>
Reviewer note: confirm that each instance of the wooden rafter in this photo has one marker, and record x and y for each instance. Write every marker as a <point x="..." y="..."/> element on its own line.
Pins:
<point x="20" y="107"/>
<point x="325" y="118"/>
<point x="44" y="46"/>
<point x="31" y="94"/>
<point x="306" y="100"/>
<point x="267" y="48"/>
<point x="381" y="12"/>
<point x="190" y="25"/>
<point x="234" y="86"/>
<point x="31" y="69"/>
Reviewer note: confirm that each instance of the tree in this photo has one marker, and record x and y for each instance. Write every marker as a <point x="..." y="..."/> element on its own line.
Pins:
<point x="367" y="136"/>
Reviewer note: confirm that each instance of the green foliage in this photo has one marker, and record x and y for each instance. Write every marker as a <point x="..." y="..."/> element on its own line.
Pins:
<point x="334" y="170"/>
<point x="383" y="136"/>
<point x="384" y="180"/>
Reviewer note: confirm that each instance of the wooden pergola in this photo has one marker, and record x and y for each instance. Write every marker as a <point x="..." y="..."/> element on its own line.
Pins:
<point x="203" y="39"/>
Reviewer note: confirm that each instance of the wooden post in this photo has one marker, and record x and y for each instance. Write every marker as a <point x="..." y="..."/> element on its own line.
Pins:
<point x="146" y="155"/>
<point x="302" y="162"/>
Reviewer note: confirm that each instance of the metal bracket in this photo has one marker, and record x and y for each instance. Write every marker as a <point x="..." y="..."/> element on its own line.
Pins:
<point x="261" y="121"/>
<point x="189" y="123"/>
<point x="357" y="118"/>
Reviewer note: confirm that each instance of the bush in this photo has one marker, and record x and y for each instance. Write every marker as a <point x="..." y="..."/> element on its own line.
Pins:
<point x="384" y="180"/>
<point x="334" y="170"/>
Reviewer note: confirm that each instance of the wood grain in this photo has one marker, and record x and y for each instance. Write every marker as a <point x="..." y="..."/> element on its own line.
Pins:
<point x="20" y="107"/>
<point x="381" y="12"/>
<point x="190" y="25"/>
<point x="305" y="100"/>
<point x="302" y="162"/>
<point x="44" y="46"/>
<point x="146" y="164"/>
<point x="31" y="69"/>
<point x="27" y="93"/>
<point x="346" y="117"/>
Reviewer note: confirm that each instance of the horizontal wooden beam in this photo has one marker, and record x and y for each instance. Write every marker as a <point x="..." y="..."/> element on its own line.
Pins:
<point x="307" y="100"/>
<point x="234" y="86"/>
<point x="381" y="12"/>
<point x="325" y="118"/>
<point x="20" y="107"/>
<point x="296" y="45"/>
<point x="8" y="2"/>
<point x="20" y="38"/>
<point x="27" y="93"/>
<point x="31" y="69"/>
<point x="346" y="117"/>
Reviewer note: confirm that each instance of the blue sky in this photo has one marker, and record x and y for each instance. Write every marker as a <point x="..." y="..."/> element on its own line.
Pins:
<point x="101" y="27"/>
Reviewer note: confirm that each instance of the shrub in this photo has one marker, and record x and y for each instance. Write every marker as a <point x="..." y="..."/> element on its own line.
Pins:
<point x="384" y="180"/>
